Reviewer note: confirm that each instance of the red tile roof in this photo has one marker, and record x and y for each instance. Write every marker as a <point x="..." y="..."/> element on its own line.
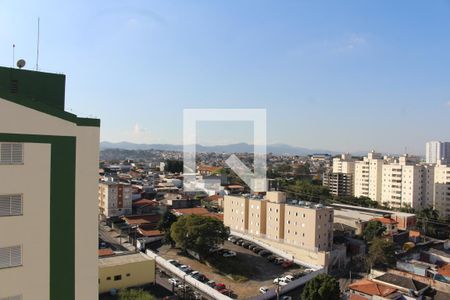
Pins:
<point x="385" y="220"/>
<point x="145" y="202"/>
<point x="142" y="219"/>
<point x="214" y="197"/>
<point x="199" y="211"/>
<point x="369" y="287"/>
<point x="105" y="252"/>
<point x="191" y="211"/>
<point x="444" y="270"/>
<point x="150" y="232"/>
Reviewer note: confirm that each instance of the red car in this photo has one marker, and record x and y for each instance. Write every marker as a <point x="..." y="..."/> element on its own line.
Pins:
<point x="220" y="287"/>
<point x="287" y="263"/>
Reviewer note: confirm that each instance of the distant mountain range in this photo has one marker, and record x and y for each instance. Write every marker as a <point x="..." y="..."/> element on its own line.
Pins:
<point x="277" y="149"/>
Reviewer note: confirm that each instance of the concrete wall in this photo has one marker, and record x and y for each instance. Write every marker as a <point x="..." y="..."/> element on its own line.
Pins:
<point x="140" y="273"/>
<point x="32" y="229"/>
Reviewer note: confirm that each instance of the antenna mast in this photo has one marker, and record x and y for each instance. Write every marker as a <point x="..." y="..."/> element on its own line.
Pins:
<point x="14" y="55"/>
<point x="37" y="46"/>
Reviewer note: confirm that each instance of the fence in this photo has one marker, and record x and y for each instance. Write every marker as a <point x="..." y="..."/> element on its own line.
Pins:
<point x="193" y="282"/>
<point x="290" y="286"/>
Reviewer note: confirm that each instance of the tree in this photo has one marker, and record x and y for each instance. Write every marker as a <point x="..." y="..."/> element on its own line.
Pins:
<point x="321" y="287"/>
<point x="424" y="216"/>
<point x="131" y="294"/>
<point x="167" y="219"/>
<point x="381" y="252"/>
<point x="198" y="233"/>
<point x="373" y="230"/>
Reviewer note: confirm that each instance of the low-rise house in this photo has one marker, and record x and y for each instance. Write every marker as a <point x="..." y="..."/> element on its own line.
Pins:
<point x="368" y="289"/>
<point x="405" y="285"/>
<point x="125" y="271"/>
<point x="389" y="223"/>
<point x="199" y="211"/>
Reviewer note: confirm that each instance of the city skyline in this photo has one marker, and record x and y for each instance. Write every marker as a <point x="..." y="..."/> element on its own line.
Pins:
<point x="352" y="77"/>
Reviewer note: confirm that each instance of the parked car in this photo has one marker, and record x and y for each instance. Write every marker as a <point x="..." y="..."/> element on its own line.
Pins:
<point x="257" y="249"/>
<point x="226" y="292"/>
<point x="264" y="253"/>
<point x="287" y="264"/>
<point x="242" y="242"/>
<point x="211" y="283"/>
<point x="232" y="238"/>
<point x="307" y="271"/>
<point x="286" y="298"/>
<point x="280" y="281"/>
<point x="246" y="244"/>
<point x="278" y="260"/>
<point x="229" y="254"/>
<point x="237" y="241"/>
<point x="263" y="289"/>
<point x="174" y="262"/>
<point x="219" y="286"/>
<point x="271" y="258"/>
<point x="174" y="281"/>
<point x="289" y="277"/>
<point x="195" y="274"/>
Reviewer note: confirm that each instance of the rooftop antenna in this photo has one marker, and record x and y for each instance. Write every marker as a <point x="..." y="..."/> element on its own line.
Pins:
<point x="14" y="55"/>
<point x="37" y="46"/>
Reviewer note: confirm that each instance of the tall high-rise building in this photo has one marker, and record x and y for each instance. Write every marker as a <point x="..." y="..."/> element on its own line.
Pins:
<point x="367" y="179"/>
<point x="441" y="201"/>
<point x="437" y="151"/>
<point x="48" y="191"/>
<point x="340" y="180"/>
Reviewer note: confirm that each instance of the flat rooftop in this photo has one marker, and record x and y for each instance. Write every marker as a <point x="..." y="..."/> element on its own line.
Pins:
<point x="118" y="260"/>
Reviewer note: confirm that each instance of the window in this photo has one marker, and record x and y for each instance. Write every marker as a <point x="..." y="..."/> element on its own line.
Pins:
<point x="10" y="205"/>
<point x="128" y="274"/>
<point x="11" y="153"/>
<point x="108" y="278"/>
<point x="10" y="257"/>
<point x="117" y="277"/>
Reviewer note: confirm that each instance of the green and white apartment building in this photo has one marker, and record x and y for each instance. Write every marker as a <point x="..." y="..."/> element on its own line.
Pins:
<point x="48" y="191"/>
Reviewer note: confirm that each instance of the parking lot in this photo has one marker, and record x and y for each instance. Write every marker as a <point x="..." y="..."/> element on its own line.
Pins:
<point x="243" y="274"/>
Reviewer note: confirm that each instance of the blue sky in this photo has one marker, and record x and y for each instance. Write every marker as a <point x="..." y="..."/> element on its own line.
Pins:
<point x="338" y="75"/>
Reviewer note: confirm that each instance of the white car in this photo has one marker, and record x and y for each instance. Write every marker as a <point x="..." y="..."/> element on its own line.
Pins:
<point x="289" y="278"/>
<point x="229" y="254"/>
<point x="307" y="271"/>
<point x="174" y="281"/>
<point x="286" y="298"/>
<point x="263" y="289"/>
<point x="280" y="281"/>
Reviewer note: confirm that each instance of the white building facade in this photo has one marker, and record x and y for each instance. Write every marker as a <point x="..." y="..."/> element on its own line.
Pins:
<point x="436" y="151"/>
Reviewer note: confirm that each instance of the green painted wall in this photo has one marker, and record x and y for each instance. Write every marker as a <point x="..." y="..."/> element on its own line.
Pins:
<point x="43" y="87"/>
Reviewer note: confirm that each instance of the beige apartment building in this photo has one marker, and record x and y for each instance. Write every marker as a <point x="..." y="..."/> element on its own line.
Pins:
<point x="298" y="223"/>
<point x="115" y="199"/>
<point x="405" y="183"/>
<point x="48" y="191"/>
<point x="340" y="180"/>
<point x="344" y="164"/>
<point x="441" y="201"/>
<point x="368" y="173"/>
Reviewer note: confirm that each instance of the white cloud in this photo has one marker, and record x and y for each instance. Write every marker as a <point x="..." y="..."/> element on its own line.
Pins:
<point x="352" y="42"/>
<point x="448" y="103"/>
